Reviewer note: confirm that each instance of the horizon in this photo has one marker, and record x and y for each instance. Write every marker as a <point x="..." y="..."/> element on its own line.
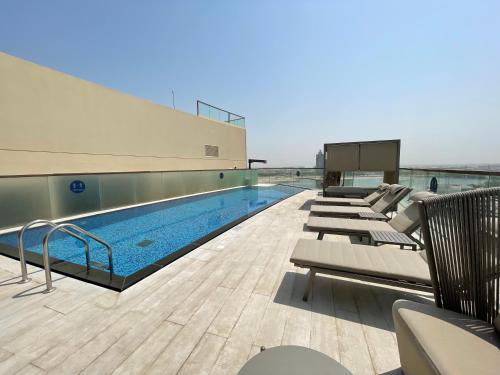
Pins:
<point x="302" y="74"/>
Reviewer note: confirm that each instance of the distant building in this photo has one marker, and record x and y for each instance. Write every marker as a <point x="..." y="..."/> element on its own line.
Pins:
<point x="320" y="159"/>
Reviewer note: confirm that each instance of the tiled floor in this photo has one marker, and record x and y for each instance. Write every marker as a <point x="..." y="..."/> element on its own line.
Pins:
<point x="206" y="313"/>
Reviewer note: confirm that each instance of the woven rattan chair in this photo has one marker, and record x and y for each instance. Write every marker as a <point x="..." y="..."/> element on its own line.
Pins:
<point x="460" y="335"/>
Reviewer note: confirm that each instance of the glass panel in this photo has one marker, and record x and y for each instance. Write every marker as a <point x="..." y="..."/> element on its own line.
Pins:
<point x="23" y="199"/>
<point x="117" y="190"/>
<point x="73" y="195"/>
<point x="276" y="176"/>
<point x="172" y="184"/>
<point x="229" y="179"/>
<point x="494" y="181"/>
<point x="347" y="179"/>
<point x="367" y="179"/>
<point x="213" y="113"/>
<point x="447" y="182"/>
<point x="308" y="178"/>
<point x="203" y="110"/>
<point x="203" y="181"/>
<point x="251" y="177"/>
<point x="405" y="177"/>
<point x="193" y="182"/>
<point x="148" y="187"/>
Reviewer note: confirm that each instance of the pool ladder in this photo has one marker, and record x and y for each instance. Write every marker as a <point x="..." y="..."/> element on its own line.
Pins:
<point x="46" y="259"/>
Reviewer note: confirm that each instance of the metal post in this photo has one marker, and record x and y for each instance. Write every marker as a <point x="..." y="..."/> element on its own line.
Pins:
<point x="46" y="257"/>
<point x="22" y="260"/>
<point x="46" y="263"/>
<point x="20" y="241"/>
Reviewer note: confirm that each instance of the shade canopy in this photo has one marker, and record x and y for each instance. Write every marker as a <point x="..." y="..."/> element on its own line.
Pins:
<point x="380" y="156"/>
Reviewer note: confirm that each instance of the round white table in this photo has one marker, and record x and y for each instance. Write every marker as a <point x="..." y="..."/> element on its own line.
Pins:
<point x="292" y="360"/>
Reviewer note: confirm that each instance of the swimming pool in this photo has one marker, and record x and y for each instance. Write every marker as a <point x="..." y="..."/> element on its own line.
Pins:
<point x="146" y="238"/>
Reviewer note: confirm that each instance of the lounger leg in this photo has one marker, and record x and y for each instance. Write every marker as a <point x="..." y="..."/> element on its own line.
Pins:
<point x="310" y="284"/>
<point x="320" y="235"/>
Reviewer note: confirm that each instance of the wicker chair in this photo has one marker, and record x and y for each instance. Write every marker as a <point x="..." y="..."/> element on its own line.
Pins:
<point x="461" y="232"/>
<point x="461" y="334"/>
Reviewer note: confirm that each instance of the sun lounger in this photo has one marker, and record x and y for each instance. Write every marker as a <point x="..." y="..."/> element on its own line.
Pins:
<point x="347" y="191"/>
<point x="386" y="203"/>
<point x="366" y="201"/>
<point x="406" y="221"/>
<point x="375" y="264"/>
<point x="461" y="334"/>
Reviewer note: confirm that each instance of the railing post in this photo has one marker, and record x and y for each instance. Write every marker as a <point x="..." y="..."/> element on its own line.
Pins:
<point x="20" y="242"/>
<point x="22" y="260"/>
<point x="46" y="262"/>
<point x="20" y="239"/>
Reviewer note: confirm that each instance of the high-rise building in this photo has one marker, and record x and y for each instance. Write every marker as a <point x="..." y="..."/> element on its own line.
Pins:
<point x="320" y="159"/>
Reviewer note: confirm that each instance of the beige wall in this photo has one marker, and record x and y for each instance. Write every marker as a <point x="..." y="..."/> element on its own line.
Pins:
<point x="51" y="122"/>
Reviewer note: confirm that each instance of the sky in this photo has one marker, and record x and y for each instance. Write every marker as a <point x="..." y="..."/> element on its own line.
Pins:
<point x="303" y="73"/>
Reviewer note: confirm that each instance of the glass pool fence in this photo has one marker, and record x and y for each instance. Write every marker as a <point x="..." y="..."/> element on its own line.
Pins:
<point x="306" y="178"/>
<point x="26" y="198"/>
<point x="448" y="181"/>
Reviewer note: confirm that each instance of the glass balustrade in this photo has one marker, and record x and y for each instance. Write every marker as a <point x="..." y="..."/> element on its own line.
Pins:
<point x="418" y="179"/>
<point x="214" y="113"/>
<point x="23" y="199"/>
<point x="308" y="178"/>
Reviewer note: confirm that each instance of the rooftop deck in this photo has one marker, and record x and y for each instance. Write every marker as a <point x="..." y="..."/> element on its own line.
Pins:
<point x="206" y="313"/>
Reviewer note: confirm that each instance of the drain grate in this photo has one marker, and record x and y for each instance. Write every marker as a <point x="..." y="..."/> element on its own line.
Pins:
<point x="144" y="243"/>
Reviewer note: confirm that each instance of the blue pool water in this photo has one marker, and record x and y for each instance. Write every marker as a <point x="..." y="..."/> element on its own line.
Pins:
<point x="140" y="236"/>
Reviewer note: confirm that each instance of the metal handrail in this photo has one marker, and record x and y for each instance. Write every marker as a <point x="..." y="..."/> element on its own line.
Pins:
<point x="46" y="258"/>
<point x="220" y="109"/>
<point x="20" y="241"/>
<point x="287" y="168"/>
<point x="101" y="241"/>
<point x="229" y="120"/>
<point x="478" y="172"/>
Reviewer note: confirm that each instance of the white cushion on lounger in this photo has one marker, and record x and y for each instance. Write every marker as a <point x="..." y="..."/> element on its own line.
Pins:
<point x="362" y="259"/>
<point x="342" y="201"/>
<point x="347" y="225"/>
<point x="341" y="210"/>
